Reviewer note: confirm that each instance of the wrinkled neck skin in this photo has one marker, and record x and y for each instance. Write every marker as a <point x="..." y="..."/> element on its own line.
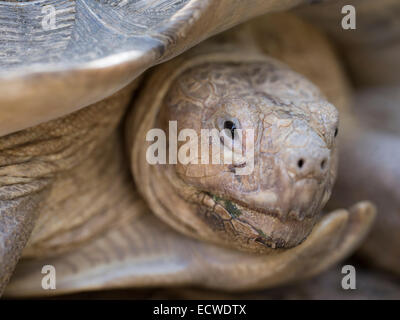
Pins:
<point x="33" y="161"/>
<point x="295" y="159"/>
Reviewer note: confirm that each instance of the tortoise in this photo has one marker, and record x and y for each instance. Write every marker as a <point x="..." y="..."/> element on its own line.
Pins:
<point x="67" y="198"/>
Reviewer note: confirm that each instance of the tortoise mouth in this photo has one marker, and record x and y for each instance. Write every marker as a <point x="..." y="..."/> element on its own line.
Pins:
<point x="262" y="227"/>
<point x="235" y="207"/>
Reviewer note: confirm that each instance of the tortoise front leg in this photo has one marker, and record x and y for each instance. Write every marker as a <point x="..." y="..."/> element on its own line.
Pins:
<point x="144" y="252"/>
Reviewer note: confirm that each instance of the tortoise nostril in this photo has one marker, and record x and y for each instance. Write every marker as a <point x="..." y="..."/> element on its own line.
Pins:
<point x="323" y="164"/>
<point x="310" y="165"/>
<point x="300" y="163"/>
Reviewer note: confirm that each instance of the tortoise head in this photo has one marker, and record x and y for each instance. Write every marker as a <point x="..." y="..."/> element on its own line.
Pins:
<point x="269" y="193"/>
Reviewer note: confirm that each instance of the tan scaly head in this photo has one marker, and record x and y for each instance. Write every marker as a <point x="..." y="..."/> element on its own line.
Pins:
<point x="277" y="208"/>
<point x="290" y="175"/>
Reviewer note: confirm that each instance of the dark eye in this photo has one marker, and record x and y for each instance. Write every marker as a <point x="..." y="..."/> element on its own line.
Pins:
<point x="336" y="132"/>
<point x="231" y="126"/>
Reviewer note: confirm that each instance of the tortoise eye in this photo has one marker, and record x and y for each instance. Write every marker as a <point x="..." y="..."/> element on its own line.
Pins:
<point x="230" y="130"/>
<point x="231" y="126"/>
<point x="336" y="132"/>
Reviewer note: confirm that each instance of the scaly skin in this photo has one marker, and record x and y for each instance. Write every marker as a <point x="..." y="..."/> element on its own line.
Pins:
<point x="144" y="251"/>
<point x="295" y="152"/>
<point x="36" y="171"/>
<point x="230" y="77"/>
